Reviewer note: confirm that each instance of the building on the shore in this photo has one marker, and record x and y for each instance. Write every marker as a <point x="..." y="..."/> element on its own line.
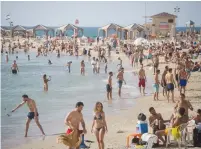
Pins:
<point x="43" y="28"/>
<point x="133" y="31"/>
<point x="63" y="30"/>
<point x="162" y="23"/>
<point x="190" y="26"/>
<point x="18" y="30"/>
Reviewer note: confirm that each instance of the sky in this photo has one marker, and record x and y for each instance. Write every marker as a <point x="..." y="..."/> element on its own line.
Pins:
<point x="94" y="13"/>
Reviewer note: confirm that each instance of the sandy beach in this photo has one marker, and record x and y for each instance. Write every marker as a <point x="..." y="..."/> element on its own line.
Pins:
<point x="119" y="126"/>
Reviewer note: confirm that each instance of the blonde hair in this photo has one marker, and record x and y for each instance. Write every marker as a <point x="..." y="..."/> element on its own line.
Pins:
<point x="95" y="108"/>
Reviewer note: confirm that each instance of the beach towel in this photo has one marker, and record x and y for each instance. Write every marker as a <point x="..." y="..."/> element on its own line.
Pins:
<point x="73" y="139"/>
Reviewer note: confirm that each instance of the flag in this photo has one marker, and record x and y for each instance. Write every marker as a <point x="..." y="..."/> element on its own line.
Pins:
<point x="163" y="25"/>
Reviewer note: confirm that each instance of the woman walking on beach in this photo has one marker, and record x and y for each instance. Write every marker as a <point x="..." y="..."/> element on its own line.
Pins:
<point x="46" y="82"/>
<point x="99" y="126"/>
<point x="82" y="69"/>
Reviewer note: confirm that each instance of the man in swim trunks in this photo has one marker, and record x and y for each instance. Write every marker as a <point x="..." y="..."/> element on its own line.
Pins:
<point x="183" y="75"/>
<point x="170" y="84"/>
<point x="156" y="63"/>
<point x="33" y="114"/>
<point x="109" y="86"/>
<point x="188" y="66"/>
<point x="142" y="79"/>
<point x="156" y="85"/>
<point x="163" y="82"/>
<point x="14" y="67"/>
<point x="74" y="118"/>
<point x="120" y="77"/>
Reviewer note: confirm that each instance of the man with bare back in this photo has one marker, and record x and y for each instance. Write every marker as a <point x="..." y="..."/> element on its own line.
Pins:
<point x="14" y="67"/>
<point x="74" y="118"/>
<point x="33" y="114"/>
<point x="142" y="79"/>
<point x="120" y="77"/>
<point x="170" y="84"/>
<point x="183" y="78"/>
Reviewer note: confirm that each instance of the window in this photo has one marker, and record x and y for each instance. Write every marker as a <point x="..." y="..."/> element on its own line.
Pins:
<point x="170" y="21"/>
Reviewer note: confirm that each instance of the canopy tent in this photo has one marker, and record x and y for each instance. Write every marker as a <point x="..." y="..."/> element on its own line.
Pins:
<point x="42" y="28"/>
<point x="190" y="25"/>
<point x="19" y="29"/>
<point x="110" y="26"/>
<point x="72" y="27"/>
<point x="132" y="29"/>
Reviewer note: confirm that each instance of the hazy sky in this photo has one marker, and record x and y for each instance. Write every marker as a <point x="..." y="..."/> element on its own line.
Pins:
<point x="94" y="14"/>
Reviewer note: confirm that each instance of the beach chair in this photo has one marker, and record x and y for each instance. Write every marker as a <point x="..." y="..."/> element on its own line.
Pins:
<point x="183" y="131"/>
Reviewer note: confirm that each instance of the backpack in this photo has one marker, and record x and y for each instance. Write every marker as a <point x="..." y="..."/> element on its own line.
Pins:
<point x="196" y="137"/>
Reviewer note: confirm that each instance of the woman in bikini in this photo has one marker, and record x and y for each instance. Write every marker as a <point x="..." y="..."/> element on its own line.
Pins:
<point x="45" y="82"/>
<point x="99" y="126"/>
<point x="82" y="65"/>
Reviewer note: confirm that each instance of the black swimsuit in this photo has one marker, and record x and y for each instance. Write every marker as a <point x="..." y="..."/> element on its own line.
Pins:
<point x="99" y="118"/>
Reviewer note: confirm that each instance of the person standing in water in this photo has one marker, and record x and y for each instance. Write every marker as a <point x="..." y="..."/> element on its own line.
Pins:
<point x="170" y="84"/>
<point x="109" y="86"/>
<point x="120" y="77"/>
<point x="74" y="118"/>
<point x="156" y="85"/>
<point x="105" y="65"/>
<point x="33" y="114"/>
<point x="69" y="66"/>
<point x="45" y="80"/>
<point x="28" y="57"/>
<point x="97" y="66"/>
<point x="14" y="67"/>
<point x="99" y="125"/>
<point x="82" y="68"/>
<point x="142" y="79"/>
<point x="6" y="56"/>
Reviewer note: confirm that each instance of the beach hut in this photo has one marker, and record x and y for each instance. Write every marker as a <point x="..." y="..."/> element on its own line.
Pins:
<point x="18" y="29"/>
<point x="190" y="26"/>
<point x="111" y="26"/>
<point x="42" y="28"/>
<point x="132" y="30"/>
<point x="72" y="27"/>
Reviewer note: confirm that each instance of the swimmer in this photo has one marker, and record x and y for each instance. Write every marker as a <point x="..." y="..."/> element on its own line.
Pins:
<point x="46" y="82"/>
<point x="33" y="114"/>
<point x="120" y="77"/>
<point x="82" y="69"/>
<point x="69" y="66"/>
<point x="49" y="62"/>
<point x="14" y="67"/>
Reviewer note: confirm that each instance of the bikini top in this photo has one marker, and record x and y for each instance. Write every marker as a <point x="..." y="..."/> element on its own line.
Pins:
<point x="98" y="118"/>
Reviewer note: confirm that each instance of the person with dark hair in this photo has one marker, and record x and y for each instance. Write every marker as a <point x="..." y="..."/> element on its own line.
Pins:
<point x="109" y="86"/>
<point x="156" y="85"/>
<point x="175" y="122"/>
<point x="198" y="117"/>
<point x="45" y="80"/>
<point x="142" y="79"/>
<point x="120" y="77"/>
<point x="163" y="81"/>
<point x="74" y="118"/>
<point x="183" y="79"/>
<point x="170" y="84"/>
<point x="33" y="114"/>
<point x="14" y="67"/>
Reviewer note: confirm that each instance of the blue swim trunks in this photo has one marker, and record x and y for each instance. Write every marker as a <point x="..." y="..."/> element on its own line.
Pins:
<point x="120" y="82"/>
<point x="156" y="87"/>
<point x="183" y="82"/>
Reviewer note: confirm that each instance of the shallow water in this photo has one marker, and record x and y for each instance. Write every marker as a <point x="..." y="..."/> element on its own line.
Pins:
<point x="64" y="91"/>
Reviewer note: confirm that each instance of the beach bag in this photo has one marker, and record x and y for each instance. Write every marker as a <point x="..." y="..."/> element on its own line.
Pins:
<point x="141" y="117"/>
<point x="196" y="137"/>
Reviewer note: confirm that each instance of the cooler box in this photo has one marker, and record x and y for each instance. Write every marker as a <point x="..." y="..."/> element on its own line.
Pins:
<point x="142" y="127"/>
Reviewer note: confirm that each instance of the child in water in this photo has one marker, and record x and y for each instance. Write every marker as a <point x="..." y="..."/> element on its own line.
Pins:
<point x="46" y="82"/>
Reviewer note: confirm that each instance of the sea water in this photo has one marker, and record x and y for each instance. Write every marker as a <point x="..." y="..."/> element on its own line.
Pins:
<point x="64" y="91"/>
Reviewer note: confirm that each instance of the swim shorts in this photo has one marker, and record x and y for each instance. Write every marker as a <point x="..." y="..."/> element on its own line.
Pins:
<point x="170" y="87"/>
<point x="31" y="115"/>
<point x="120" y="82"/>
<point x="108" y="88"/>
<point x="183" y="82"/>
<point x="142" y="82"/>
<point x="141" y="59"/>
<point x="156" y="87"/>
<point x="149" y="56"/>
<point x="14" y="71"/>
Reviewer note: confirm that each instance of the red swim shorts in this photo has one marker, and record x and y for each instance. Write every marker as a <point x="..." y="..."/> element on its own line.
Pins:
<point x="69" y="131"/>
<point x="142" y="82"/>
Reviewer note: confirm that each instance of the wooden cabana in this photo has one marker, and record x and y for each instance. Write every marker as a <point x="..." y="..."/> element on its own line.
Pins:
<point x="72" y="27"/>
<point x="19" y="29"/>
<point x="131" y="30"/>
<point x="190" y="26"/>
<point x="111" y="26"/>
<point x="42" y="28"/>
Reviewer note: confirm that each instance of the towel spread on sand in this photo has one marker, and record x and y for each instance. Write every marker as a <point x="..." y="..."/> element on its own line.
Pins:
<point x="72" y="139"/>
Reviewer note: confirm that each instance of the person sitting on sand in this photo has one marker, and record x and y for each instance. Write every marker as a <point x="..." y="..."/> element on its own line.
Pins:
<point x="198" y="117"/>
<point x="176" y="121"/>
<point x="156" y="120"/>
<point x="14" y="67"/>
<point x="170" y="84"/>
<point x="99" y="125"/>
<point x="156" y="85"/>
<point x="142" y="79"/>
<point x="120" y="77"/>
<point x="82" y="67"/>
<point x="183" y="79"/>
<point x="45" y="80"/>
<point x="33" y="114"/>
<point x="73" y="120"/>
